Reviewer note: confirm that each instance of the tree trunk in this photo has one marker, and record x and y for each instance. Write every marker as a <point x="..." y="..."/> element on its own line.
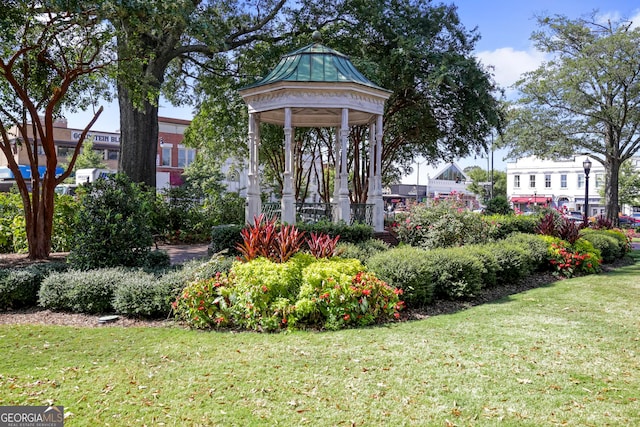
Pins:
<point x="39" y="216"/>
<point x="612" y="207"/>
<point x="138" y="138"/>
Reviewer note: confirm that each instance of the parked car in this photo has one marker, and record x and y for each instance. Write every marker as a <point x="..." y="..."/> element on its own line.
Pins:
<point x="628" y="221"/>
<point x="574" y="216"/>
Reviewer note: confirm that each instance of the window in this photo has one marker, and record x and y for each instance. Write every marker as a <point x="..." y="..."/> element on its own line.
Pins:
<point x="65" y="151"/>
<point x="599" y="180"/>
<point x="563" y="180"/>
<point x="532" y="181"/>
<point x="113" y="154"/>
<point x="547" y="181"/>
<point x="516" y="181"/>
<point x="166" y="156"/>
<point x="185" y="157"/>
<point x="580" y="180"/>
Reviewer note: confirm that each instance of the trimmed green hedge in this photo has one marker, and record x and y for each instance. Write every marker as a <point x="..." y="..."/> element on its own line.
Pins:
<point x="404" y="267"/>
<point x="225" y="237"/>
<point x="355" y="233"/>
<point x="610" y="247"/>
<point x="362" y="250"/>
<point x="19" y="286"/>
<point x="455" y="272"/>
<point x="501" y="226"/>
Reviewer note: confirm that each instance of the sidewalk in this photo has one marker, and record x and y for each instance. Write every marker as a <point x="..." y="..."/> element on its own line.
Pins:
<point x="181" y="253"/>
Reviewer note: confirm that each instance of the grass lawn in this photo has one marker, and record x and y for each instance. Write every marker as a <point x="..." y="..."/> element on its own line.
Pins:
<point x="564" y="354"/>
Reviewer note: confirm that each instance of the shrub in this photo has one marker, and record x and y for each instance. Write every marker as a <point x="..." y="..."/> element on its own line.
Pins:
<point x="337" y="303"/>
<point x="260" y="283"/>
<point x="206" y="303"/>
<point x="444" y="224"/>
<point x="19" y="286"/>
<point x="13" y="234"/>
<point x="140" y="294"/>
<point x="225" y="237"/>
<point x="404" y="267"/>
<point x="157" y="259"/>
<point x="570" y="261"/>
<point x="623" y="238"/>
<point x="489" y="263"/>
<point x="10" y="208"/>
<point x="81" y="291"/>
<point x="113" y="226"/>
<point x="361" y="251"/>
<point x="536" y="245"/>
<point x="335" y="293"/>
<point x="513" y="260"/>
<point x="498" y="205"/>
<point x="609" y="247"/>
<point x="355" y="233"/>
<point x="323" y="279"/>
<point x="500" y="226"/>
<point x="455" y="273"/>
<point x="205" y="269"/>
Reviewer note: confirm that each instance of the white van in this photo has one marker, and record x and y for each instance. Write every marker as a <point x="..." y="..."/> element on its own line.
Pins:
<point x="90" y="175"/>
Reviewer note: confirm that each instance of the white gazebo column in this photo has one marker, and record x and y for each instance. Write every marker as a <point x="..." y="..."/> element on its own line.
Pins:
<point x="378" y="208"/>
<point x="288" y="199"/>
<point x="371" y="188"/>
<point x="344" y="204"/>
<point x="253" y="206"/>
<point x="336" y="176"/>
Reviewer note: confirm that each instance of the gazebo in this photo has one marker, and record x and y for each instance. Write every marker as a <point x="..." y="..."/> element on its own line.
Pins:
<point x="315" y="86"/>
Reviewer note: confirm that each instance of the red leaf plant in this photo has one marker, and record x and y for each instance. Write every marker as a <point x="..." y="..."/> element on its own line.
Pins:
<point x="287" y="243"/>
<point x="258" y="239"/>
<point x="322" y="245"/>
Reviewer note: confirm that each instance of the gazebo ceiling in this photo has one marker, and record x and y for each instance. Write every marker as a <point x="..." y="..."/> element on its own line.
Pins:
<point x="316" y="82"/>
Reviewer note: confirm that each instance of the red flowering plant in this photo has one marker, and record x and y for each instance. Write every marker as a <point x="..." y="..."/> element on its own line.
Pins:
<point x="334" y="296"/>
<point x="572" y="260"/>
<point x="206" y="303"/>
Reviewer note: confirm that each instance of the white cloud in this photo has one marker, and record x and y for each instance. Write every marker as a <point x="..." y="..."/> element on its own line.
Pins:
<point x="635" y="19"/>
<point x="510" y="64"/>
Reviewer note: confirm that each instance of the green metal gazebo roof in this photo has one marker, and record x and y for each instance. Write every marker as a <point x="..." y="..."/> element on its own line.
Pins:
<point x="315" y="63"/>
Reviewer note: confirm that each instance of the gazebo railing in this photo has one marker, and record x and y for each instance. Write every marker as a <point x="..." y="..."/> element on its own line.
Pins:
<point x="362" y="213"/>
<point x="314" y="212"/>
<point x="272" y="210"/>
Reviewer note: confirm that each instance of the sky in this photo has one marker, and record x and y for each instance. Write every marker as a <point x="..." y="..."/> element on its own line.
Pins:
<point x="505" y="27"/>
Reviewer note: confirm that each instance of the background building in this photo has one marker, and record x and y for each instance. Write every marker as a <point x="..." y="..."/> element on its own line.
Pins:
<point x="558" y="184"/>
<point x="172" y="156"/>
<point x="442" y="182"/>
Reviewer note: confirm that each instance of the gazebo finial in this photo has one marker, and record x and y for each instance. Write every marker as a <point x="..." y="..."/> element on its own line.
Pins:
<point x="316" y="36"/>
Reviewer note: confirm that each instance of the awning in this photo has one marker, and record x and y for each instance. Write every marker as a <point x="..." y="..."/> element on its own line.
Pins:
<point x="531" y="199"/>
<point x="25" y="171"/>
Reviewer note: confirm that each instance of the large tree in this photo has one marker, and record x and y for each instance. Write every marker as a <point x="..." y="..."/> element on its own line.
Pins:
<point x="481" y="182"/>
<point x="166" y="42"/>
<point x="586" y="98"/>
<point x="443" y="104"/>
<point x="49" y="59"/>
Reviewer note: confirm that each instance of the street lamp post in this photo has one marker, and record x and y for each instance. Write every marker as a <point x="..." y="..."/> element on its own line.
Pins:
<point x="587" y="168"/>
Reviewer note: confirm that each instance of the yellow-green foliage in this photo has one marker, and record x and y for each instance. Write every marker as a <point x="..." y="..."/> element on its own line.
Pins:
<point x="340" y="270"/>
